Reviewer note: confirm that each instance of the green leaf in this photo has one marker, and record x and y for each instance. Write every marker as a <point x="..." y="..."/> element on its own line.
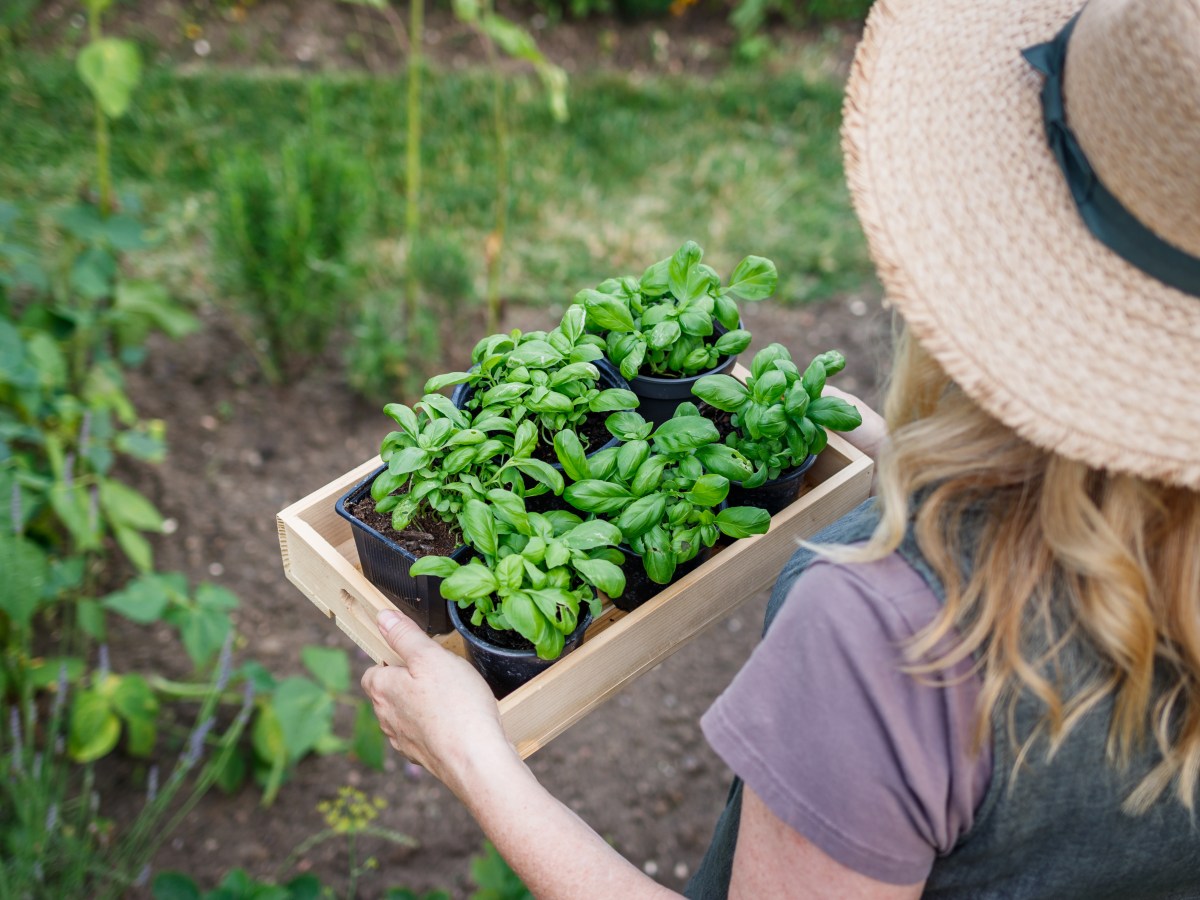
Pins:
<point x="478" y="527"/>
<point x="648" y="475"/>
<point x="123" y="505"/>
<point x="329" y="665"/>
<point x="135" y="547"/>
<point x="305" y="712"/>
<point x="605" y="312"/>
<point x="592" y="534"/>
<point x="93" y="273"/>
<point x="754" y="278"/>
<point x="536" y="354"/>
<point x="593" y="495"/>
<point x="770" y="386"/>
<point x="368" y="742"/>
<point x="175" y="886"/>
<point x="111" y="68"/>
<point x="213" y="596"/>
<point x="663" y="335"/>
<point x="709" y="490"/>
<point x="795" y="404"/>
<point x="731" y="343"/>
<point x="203" y="632"/>
<point x="835" y="413"/>
<point x="602" y="574"/>
<point x="151" y="301"/>
<point x="696" y="322"/>
<point x="630" y="457"/>
<point x="833" y="361"/>
<point x="721" y="392"/>
<point x="613" y="399"/>
<point x="143" y="600"/>
<point x="138" y="706"/>
<point x="510" y="508"/>
<point x="684" y="434"/>
<point x="94" y="728"/>
<point x="680" y="267"/>
<point x="522" y="613"/>
<point x="571" y="455"/>
<point x="542" y="472"/>
<point x="25" y="573"/>
<point x="449" y="379"/>
<point x="407" y="461"/>
<point x="438" y="566"/>
<point x="469" y="582"/>
<point x="814" y="379"/>
<point x="743" y="521"/>
<point x="641" y="515"/>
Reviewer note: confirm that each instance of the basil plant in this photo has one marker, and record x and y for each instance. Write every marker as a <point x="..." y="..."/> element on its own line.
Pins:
<point x="663" y="488"/>
<point x="779" y="414"/>
<point x="441" y="457"/>
<point x="665" y="323"/>
<point x="545" y="377"/>
<point x="532" y="573"/>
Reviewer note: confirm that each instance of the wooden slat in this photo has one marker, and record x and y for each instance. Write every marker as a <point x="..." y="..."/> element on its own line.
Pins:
<point x="320" y="559"/>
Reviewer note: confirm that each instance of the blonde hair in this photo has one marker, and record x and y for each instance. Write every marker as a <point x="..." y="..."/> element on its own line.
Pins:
<point x="1062" y="548"/>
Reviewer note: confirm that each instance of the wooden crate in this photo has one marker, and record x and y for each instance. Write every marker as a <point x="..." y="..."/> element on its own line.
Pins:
<point x="320" y="558"/>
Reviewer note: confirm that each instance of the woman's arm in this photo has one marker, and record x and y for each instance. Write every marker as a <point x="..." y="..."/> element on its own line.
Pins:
<point x="437" y="711"/>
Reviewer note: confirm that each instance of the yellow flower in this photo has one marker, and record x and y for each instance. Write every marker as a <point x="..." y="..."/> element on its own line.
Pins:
<point x="192" y="31"/>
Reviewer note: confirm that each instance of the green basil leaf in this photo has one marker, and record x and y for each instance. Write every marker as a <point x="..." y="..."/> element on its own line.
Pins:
<point x="613" y="399"/>
<point x="680" y="267"/>
<point x="541" y="472"/>
<point x="329" y="665"/>
<point x="443" y="405"/>
<point x="709" y="490"/>
<point x="525" y="439"/>
<point x="603" y="575"/>
<point x="573" y="322"/>
<point x="696" y="322"/>
<point x="632" y="363"/>
<point x="552" y="402"/>
<point x="726" y="311"/>
<point x="721" y="392"/>
<point x="769" y="387"/>
<point x="795" y="403"/>
<point x="628" y="426"/>
<point x="503" y="394"/>
<point x="579" y="371"/>
<point x="655" y="281"/>
<point x="469" y="582"/>
<point x="684" y="434"/>
<point x="663" y="335"/>
<point x="603" y="463"/>
<point x="405" y="418"/>
<point x="743" y="521"/>
<point x="642" y="514"/>
<point x="605" y="312"/>
<point x="438" y="566"/>
<point x="774" y="422"/>
<point x="407" y="461"/>
<point x="597" y="496"/>
<point x="535" y="354"/>
<point x="648" y="475"/>
<point x="835" y="413"/>
<point x="478" y="527"/>
<point x="724" y="460"/>
<point x="754" y="278"/>
<point x="511" y="572"/>
<point x="592" y="534"/>
<point x="94" y="728"/>
<point x="833" y="361"/>
<point x="630" y="456"/>
<point x="437" y="382"/>
<point x="571" y="455"/>
<point x="814" y="379"/>
<point x="731" y="343"/>
<point x="764" y="360"/>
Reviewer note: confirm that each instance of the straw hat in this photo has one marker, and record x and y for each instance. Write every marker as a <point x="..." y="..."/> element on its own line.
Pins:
<point x="981" y="245"/>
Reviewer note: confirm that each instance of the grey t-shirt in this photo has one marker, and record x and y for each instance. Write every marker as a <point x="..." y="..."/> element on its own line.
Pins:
<point x="867" y="762"/>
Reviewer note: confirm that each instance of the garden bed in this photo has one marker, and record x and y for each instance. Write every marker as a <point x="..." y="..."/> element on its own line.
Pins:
<point x="320" y="558"/>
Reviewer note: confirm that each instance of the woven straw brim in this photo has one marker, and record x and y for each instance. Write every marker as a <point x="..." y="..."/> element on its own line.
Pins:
<point x="980" y="248"/>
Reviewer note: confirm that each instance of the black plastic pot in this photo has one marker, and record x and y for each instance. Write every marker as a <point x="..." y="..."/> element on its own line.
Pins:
<point x="773" y="496"/>
<point x="638" y="586"/>
<point x="506" y="669"/>
<point x="659" y="397"/>
<point x="386" y="565"/>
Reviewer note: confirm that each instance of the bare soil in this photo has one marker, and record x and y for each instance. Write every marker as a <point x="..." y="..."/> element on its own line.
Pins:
<point x="638" y="769"/>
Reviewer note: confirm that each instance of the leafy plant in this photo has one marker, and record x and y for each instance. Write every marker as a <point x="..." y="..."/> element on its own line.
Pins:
<point x="494" y="878"/>
<point x="285" y="234"/>
<point x="545" y="377"/>
<point x="665" y="323"/>
<point x="779" y="415"/>
<point x="663" y="488"/>
<point x="442" y="457"/>
<point x="532" y="572"/>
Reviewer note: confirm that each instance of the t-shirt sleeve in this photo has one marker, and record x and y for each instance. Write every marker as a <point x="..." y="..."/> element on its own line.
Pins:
<point x="867" y="762"/>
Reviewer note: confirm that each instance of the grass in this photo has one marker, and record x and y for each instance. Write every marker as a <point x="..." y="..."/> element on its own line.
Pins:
<point x="745" y="163"/>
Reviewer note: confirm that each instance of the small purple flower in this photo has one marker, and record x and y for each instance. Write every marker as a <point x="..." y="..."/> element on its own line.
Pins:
<point x="248" y="692"/>
<point x="51" y="818"/>
<point x="85" y="431"/>
<point x="60" y="694"/>
<point x="152" y="784"/>
<point x="69" y="470"/>
<point x="143" y="878"/>
<point x="102" y="667"/>
<point x="195" y="747"/>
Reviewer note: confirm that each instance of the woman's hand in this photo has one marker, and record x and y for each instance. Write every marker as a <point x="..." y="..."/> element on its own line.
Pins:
<point x="434" y="708"/>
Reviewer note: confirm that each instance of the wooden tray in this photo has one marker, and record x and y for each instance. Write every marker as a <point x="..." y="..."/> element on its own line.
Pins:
<point x="319" y="557"/>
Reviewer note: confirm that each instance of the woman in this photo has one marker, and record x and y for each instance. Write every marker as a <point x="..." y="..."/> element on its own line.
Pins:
<point x="991" y="686"/>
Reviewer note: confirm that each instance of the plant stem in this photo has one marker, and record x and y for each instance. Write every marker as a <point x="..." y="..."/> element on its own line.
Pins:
<point x="495" y="250"/>
<point x="412" y="217"/>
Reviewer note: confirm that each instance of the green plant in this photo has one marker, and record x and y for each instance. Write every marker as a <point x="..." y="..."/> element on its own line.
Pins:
<point x="442" y="457"/>
<point x="545" y="377"/>
<point x="663" y="488"/>
<point x="494" y="878"/>
<point x="779" y="415"/>
<point x="665" y="323"/>
<point x="532" y="572"/>
<point x="286" y="232"/>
